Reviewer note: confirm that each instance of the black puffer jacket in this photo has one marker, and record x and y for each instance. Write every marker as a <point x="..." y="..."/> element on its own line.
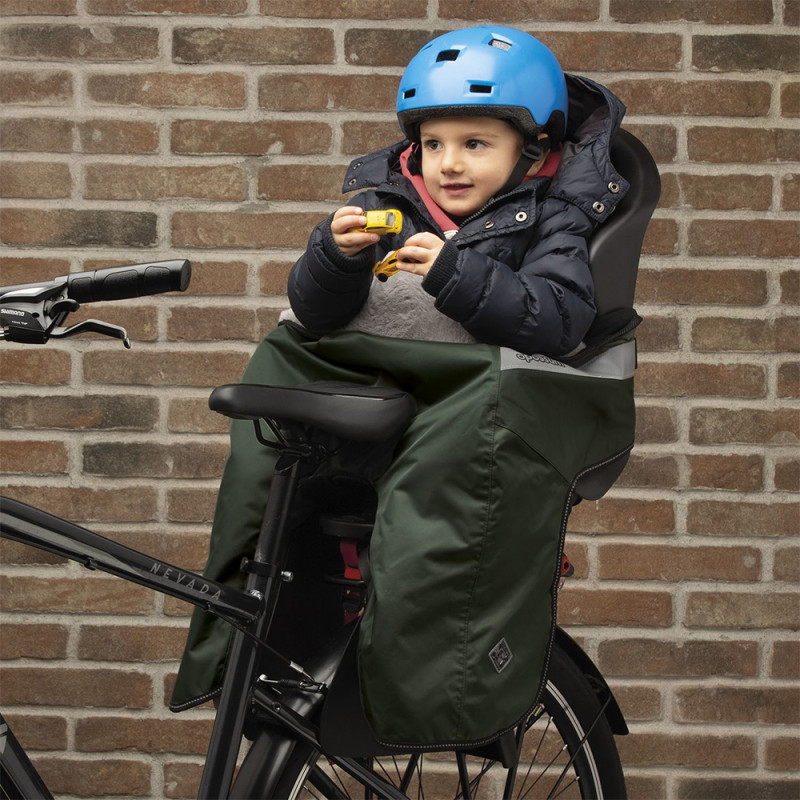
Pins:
<point x="515" y="274"/>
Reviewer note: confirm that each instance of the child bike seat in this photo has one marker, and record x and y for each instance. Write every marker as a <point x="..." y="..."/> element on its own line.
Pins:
<point x="346" y="410"/>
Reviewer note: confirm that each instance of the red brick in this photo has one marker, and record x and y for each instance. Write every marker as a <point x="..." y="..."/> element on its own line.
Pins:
<point x="220" y="323"/>
<point x="274" y="276"/>
<point x="33" y="640"/>
<point x="91" y="688"/>
<point x="141" y="322"/>
<point x="130" y="643"/>
<point x="37" y="732"/>
<point x="658" y="334"/>
<point x="191" y="505"/>
<point x="263" y="45"/>
<point x="661" y="238"/>
<point x="182" y="780"/>
<point x="152" y="459"/>
<point x="36" y="179"/>
<point x="165" y="368"/>
<point x="18" y="553"/>
<point x="787" y="474"/>
<point x="255" y="230"/>
<point x="133" y="182"/>
<point x="36" y="134"/>
<point x="617" y="515"/>
<point x="314" y="91"/>
<point x="25" y="270"/>
<point x="783" y="753"/>
<point x="655" y="425"/>
<point x="650" y="471"/>
<point x="108" y="777"/>
<point x="33" y="457"/>
<point x="790" y="193"/>
<point x="785" y="662"/>
<point x="639" y="704"/>
<point x="790" y="287"/>
<point x="88" y="412"/>
<point x="718" y="144"/>
<point x="79" y="43"/>
<point x="743" y="52"/>
<point x="219" y="277"/>
<point x="167" y="89"/>
<point x="104" y="734"/>
<point x="723" y="192"/>
<point x="36" y="87"/>
<point x="723" y="518"/>
<point x="789" y="379"/>
<point x="250" y="138"/>
<point x="764" y="238"/>
<point x="660" y="140"/>
<point x="134" y="504"/>
<point x="190" y="550"/>
<point x="787" y="564"/>
<point x="743" y="610"/>
<point x="267" y="320"/>
<point x="611" y="51"/>
<point x="790" y="100"/>
<point x="743" y="426"/>
<point x="714" y="12"/>
<point x="744" y="788"/>
<point x="77" y="228"/>
<point x="752" y="704"/>
<point x="117" y="136"/>
<point x="728" y="98"/>
<point x="649" y="609"/>
<point x="37" y="7"/>
<point x="192" y="415"/>
<point x="725" y="334"/>
<point x="735" y="472"/>
<point x="300" y="182"/>
<point x="118" y="7"/>
<point x="363" y="136"/>
<point x="686" y="750"/>
<point x="648" y="658"/>
<point x="669" y="379"/>
<point x="702" y="287"/>
<point x="520" y="10"/>
<point x="345" y="9"/>
<point x="36" y="367"/>
<point x="670" y="563"/>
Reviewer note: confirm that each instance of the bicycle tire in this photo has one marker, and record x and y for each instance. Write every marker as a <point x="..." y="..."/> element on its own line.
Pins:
<point x="569" y="709"/>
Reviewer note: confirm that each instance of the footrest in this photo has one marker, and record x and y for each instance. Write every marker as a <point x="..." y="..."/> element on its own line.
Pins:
<point x="358" y="529"/>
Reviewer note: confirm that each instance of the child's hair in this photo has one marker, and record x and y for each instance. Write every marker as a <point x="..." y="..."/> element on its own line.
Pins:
<point x="486" y="71"/>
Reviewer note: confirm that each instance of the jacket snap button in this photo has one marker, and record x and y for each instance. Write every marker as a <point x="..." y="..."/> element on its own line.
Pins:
<point x="357" y="165"/>
<point x="488" y="225"/>
<point x="598" y="207"/>
<point x="613" y="187"/>
<point x="352" y="182"/>
<point x="521" y="216"/>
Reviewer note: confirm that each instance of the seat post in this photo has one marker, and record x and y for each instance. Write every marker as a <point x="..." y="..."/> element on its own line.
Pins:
<point x="265" y="573"/>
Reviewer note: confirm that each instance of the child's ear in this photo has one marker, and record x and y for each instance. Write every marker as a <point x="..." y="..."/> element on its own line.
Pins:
<point x="537" y="165"/>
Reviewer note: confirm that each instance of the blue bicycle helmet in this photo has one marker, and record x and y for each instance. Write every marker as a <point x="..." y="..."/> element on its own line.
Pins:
<point x="492" y="71"/>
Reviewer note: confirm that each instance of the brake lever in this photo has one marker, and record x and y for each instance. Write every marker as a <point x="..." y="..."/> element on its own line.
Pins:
<point x="92" y="326"/>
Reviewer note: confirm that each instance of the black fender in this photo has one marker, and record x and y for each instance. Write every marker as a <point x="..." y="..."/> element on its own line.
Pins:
<point x="616" y="720"/>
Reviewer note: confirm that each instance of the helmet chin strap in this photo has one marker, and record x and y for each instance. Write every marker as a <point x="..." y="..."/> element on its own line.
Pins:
<point x="532" y="151"/>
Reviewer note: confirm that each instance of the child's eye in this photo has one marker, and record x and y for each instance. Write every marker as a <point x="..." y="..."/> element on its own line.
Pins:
<point x="431" y="144"/>
<point x="475" y="144"/>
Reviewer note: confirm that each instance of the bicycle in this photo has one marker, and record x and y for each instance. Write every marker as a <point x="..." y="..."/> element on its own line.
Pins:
<point x="309" y="734"/>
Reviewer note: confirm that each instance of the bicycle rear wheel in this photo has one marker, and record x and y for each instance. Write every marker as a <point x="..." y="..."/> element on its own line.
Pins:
<point x="568" y="751"/>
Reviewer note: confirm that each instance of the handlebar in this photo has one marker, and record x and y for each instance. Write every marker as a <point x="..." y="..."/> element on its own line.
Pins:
<point x="31" y="313"/>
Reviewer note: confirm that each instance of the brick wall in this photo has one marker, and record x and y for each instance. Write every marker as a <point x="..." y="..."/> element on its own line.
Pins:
<point x="218" y="130"/>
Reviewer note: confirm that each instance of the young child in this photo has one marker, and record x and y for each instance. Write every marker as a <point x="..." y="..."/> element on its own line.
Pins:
<point x="497" y="205"/>
<point x="503" y="176"/>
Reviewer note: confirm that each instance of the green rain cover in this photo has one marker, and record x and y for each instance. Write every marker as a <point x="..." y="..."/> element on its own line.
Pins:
<point x="471" y="514"/>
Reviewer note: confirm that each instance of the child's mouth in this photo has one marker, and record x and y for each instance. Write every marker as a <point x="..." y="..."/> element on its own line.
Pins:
<point x="456" y="188"/>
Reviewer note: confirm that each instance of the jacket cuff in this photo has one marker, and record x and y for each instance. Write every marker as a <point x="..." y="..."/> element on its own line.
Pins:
<point x="358" y="263"/>
<point x="442" y="269"/>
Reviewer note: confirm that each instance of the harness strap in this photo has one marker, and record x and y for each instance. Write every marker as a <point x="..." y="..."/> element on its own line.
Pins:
<point x="353" y="598"/>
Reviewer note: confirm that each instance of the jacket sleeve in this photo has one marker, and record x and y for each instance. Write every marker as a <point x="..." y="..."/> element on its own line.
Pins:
<point x="327" y="288"/>
<point x="543" y="305"/>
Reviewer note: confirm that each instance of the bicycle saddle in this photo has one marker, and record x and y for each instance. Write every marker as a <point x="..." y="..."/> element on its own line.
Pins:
<point x="346" y="410"/>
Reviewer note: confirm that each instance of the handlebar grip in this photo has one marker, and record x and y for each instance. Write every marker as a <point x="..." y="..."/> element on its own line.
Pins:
<point x="134" y="280"/>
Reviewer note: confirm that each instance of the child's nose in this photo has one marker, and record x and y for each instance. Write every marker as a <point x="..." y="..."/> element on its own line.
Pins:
<point x="451" y="161"/>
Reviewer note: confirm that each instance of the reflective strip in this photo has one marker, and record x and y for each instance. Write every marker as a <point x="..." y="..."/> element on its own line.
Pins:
<point x="618" y="363"/>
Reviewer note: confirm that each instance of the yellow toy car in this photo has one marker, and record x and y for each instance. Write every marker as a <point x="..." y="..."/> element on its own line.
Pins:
<point x="389" y="220"/>
<point x="387" y="267"/>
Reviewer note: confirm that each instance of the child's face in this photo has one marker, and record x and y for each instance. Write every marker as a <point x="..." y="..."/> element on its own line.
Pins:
<point x="467" y="160"/>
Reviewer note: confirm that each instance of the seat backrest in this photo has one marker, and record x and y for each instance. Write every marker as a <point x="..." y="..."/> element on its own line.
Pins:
<point x="615" y="247"/>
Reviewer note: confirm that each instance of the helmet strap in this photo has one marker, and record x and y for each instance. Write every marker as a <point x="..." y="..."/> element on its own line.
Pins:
<point x="532" y="151"/>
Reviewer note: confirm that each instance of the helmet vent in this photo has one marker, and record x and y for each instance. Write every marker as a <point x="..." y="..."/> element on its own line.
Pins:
<point x="500" y="44"/>
<point x="480" y="88"/>
<point x="409" y="93"/>
<point x="448" y="55"/>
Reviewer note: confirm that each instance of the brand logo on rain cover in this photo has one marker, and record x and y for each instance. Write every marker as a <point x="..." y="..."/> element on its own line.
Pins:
<point x="500" y="655"/>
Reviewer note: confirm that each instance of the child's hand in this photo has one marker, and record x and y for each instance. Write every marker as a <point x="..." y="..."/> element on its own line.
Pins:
<point x="344" y="227"/>
<point x="419" y="252"/>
